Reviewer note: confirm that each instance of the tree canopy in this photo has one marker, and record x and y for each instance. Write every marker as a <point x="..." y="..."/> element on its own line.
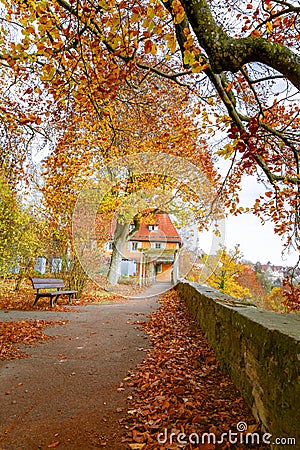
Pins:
<point x="21" y="235"/>
<point x="237" y="62"/>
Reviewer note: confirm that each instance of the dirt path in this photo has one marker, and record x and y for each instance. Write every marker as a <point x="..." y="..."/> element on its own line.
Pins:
<point x="68" y="393"/>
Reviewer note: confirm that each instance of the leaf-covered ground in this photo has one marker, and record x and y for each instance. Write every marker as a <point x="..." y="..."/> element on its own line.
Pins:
<point x="180" y="388"/>
<point x="23" y="298"/>
<point x="13" y="334"/>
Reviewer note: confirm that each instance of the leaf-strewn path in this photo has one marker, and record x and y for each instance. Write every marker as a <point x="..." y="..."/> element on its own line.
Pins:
<point x="71" y="392"/>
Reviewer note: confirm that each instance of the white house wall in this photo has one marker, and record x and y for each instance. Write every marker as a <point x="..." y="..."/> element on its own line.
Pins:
<point x="128" y="268"/>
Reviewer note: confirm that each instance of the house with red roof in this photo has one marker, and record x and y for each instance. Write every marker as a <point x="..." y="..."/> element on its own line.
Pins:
<point x="151" y="251"/>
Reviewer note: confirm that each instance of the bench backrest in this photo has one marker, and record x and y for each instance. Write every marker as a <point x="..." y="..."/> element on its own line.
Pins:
<point x="47" y="283"/>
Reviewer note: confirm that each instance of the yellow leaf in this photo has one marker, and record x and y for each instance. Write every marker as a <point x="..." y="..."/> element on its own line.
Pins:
<point x="269" y="27"/>
<point x="153" y="49"/>
<point x="178" y="10"/>
<point x="197" y="67"/>
<point x="24" y="22"/>
<point x="150" y="13"/>
<point x="103" y="4"/>
<point x="135" y="18"/>
<point x="189" y="57"/>
<point x="171" y="42"/>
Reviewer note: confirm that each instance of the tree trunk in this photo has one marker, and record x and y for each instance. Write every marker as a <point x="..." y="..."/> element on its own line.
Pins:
<point x="120" y="238"/>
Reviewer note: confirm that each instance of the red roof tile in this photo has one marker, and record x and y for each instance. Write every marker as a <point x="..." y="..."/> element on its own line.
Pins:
<point x="166" y="230"/>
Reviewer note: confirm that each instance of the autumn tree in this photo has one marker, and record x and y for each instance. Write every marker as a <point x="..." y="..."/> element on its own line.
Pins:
<point x="21" y="234"/>
<point x="247" y="278"/>
<point x="9" y="233"/>
<point x="276" y="300"/>
<point x="238" y="60"/>
<point x="221" y="271"/>
<point x="291" y="295"/>
<point x="87" y="150"/>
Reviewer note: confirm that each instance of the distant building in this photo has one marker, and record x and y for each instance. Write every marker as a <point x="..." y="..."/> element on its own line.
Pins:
<point x="274" y="274"/>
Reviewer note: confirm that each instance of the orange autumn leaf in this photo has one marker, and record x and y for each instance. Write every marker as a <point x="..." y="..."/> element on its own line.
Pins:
<point x="54" y="444"/>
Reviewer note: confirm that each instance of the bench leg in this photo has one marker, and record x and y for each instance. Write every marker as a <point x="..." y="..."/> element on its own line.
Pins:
<point x="70" y="298"/>
<point x="53" y="299"/>
<point x="36" y="300"/>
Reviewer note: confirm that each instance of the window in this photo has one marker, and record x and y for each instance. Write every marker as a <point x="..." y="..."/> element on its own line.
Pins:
<point x="152" y="227"/>
<point x="134" y="246"/>
<point x="108" y="247"/>
<point x="158" y="245"/>
<point x="159" y="268"/>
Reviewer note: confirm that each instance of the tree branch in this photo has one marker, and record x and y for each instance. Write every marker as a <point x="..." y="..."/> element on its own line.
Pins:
<point x="231" y="54"/>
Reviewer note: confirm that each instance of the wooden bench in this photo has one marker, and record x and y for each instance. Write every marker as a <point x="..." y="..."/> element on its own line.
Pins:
<point x="51" y="283"/>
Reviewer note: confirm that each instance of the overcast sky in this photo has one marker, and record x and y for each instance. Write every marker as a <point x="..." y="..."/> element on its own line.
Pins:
<point x="257" y="242"/>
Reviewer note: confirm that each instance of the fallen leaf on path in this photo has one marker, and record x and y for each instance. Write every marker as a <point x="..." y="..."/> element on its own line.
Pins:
<point x="138" y="437"/>
<point x="54" y="444"/>
<point x="137" y="446"/>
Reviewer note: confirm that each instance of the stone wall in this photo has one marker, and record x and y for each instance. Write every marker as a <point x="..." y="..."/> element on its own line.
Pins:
<point x="261" y="352"/>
